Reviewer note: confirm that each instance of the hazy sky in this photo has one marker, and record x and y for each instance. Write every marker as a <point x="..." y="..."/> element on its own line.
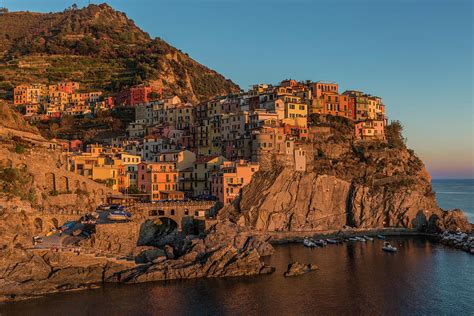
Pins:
<point x="417" y="55"/>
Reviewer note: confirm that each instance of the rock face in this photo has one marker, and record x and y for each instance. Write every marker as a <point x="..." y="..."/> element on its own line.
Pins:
<point x="26" y="274"/>
<point x="227" y="250"/>
<point x="374" y="189"/>
<point x="296" y="269"/>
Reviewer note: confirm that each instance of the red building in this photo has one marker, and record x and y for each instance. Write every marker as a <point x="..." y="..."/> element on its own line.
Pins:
<point x="135" y="95"/>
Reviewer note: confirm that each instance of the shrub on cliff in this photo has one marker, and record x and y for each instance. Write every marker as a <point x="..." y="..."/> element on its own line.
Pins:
<point x="394" y="134"/>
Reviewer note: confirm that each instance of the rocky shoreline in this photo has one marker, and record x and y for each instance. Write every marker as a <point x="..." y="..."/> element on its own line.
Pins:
<point x="459" y="240"/>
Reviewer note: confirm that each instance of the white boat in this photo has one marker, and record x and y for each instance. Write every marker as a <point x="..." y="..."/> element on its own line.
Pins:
<point x="321" y="243"/>
<point x="360" y="239"/>
<point x="388" y="247"/>
<point x="353" y="239"/>
<point x="368" y="238"/>
<point x="332" y="241"/>
<point x="308" y="242"/>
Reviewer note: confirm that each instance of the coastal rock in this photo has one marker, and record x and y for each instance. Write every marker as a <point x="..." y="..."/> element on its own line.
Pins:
<point x="150" y="255"/>
<point x="452" y="220"/>
<point x="367" y="188"/>
<point x="226" y="250"/>
<point x="296" y="269"/>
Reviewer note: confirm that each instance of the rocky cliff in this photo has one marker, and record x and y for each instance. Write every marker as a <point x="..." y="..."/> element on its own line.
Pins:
<point x="226" y="250"/>
<point x="346" y="183"/>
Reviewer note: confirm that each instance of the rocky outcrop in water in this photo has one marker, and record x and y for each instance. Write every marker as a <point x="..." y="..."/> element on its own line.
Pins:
<point x="458" y="240"/>
<point x="227" y="250"/>
<point x="296" y="269"/>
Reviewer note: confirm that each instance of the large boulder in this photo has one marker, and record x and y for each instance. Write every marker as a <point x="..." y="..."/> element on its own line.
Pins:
<point x="296" y="269"/>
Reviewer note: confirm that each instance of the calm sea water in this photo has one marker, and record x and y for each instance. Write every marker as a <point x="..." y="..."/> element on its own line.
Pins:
<point x="456" y="193"/>
<point x="423" y="278"/>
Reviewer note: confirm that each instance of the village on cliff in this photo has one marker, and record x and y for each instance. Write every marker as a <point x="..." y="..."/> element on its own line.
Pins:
<point x="176" y="151"/>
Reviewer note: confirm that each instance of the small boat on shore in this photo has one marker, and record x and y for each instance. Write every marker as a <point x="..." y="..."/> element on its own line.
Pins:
<point x="381" y="237"/>
<point x="332" y="241"/>
<point x="307" y="242"/>
<point x="368" y="238"/>
<point x="321" y="243"/>
<point x="352" y="239"/>
<point x="360" y="239"/>
<point x="388" y="247"/>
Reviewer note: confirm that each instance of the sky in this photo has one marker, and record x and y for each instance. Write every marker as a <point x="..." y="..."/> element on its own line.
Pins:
<point x="416" y="54"/>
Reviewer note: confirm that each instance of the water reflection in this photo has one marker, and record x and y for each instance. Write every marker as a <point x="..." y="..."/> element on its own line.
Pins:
<point x="354" y="278"/>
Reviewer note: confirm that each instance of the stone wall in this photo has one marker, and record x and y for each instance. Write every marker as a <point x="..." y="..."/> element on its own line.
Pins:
<point x="118" y="238"/>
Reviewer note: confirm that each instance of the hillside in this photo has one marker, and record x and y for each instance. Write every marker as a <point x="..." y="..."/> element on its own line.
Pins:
<point x="102" y="49"/>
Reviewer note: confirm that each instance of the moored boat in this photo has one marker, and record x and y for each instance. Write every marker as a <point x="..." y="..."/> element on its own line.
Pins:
<point x="332" y="241"/>
<point x="360" y="239"/>
<point x="368" y="238"/>
<point x="381" y="237"/>
<point x="321" y="243"/>
<point x="388" y="247"/>
<point x="308" y="242"/>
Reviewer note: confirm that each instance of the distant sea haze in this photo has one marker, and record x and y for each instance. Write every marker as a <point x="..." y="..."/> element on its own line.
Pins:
<point x="455" y="193"/>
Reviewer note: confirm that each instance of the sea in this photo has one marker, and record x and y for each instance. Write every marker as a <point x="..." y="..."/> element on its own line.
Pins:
<point x="455" y="193"/>
<point x="355" y="278"/>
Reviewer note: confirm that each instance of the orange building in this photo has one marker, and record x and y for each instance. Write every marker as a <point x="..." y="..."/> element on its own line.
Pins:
<point x="319" y="88"/>
<point x="227" y="183"/>
<point x="29" y="94"/>
<point x="158" y="179"/>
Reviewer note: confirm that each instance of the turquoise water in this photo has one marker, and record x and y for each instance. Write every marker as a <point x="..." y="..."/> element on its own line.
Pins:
<point x="455" y="193"/>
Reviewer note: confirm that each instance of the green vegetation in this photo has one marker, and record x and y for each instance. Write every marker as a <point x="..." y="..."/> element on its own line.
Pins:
<point x="19" y="149"/>
<point x="17" y="182"/>
<point x="102" y="49"/>
<point x="107" y="182"/>
<point x="89" y="129"/>
<point x="393" y="133"/>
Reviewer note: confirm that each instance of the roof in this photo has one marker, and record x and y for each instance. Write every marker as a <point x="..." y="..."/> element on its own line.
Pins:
<point x="204" y="159"/>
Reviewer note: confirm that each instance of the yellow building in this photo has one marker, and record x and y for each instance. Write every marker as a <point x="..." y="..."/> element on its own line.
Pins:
<point x="107" y="174"/>
<point x="294" y="107"/>
<point x="27" y="94"/>
<point x="83" y="164"/>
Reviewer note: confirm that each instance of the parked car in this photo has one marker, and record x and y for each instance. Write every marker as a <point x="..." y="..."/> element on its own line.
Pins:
<point x="68" y="225"/>
<point x="119" y="216"/>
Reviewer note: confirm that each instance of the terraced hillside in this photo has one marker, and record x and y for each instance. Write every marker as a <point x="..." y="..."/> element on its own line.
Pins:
<point x="102" y="49"/>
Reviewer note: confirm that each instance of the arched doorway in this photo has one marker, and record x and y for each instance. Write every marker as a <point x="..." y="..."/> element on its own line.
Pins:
<point x="38" y="223"/>
<point x="55" y="223"/>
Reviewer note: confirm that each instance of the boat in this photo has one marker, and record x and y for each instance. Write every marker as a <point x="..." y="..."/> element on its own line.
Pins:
<point x="308" y="242"/>
<point x="381" y="237"/>
<point x="388" y="247"/>
<point x="332" y="241"/>
<point x="360" y="239"/>
<point x="353" y="239"/>
<point x="368" y="238"/>
<point x="321" y="243"/>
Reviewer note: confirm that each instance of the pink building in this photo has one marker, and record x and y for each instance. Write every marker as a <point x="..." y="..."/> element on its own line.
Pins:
<point x="227" y="183"/>
<point x="370" y="129"/>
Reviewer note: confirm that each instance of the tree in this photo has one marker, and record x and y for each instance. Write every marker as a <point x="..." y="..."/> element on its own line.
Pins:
<point x="154" y="95"/>
<point x="394" y="135"/>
